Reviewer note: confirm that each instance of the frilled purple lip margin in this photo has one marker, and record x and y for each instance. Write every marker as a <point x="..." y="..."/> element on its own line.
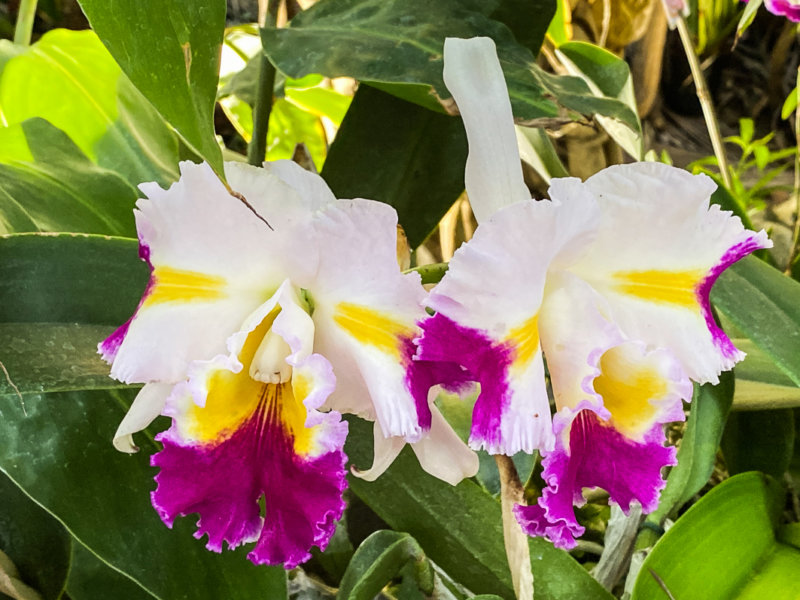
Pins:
<point x="751" y="242"/>
<point x="109" y="347"/>
<point x="598" y="456"/>
<point x="224" y="482"/>
<point x="448" y="344"/>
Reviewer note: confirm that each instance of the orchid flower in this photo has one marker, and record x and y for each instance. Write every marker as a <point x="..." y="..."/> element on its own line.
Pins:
<point x="609" y="281"/>
<point x="784" y="8"/>
<point x="262" y="321"/>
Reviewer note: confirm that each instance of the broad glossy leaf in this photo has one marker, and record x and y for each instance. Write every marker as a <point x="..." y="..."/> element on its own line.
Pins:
<point x="607" y="75"/>
<point x="59" y="451"/>
<point x="760" y="384"/>
<point x="460" y="528"/>
<point x="759" y="440"/>
<point x="37" y="544"/>
<point x="69" y="78"/>
<point x="48" y="184"/>
<point x="91" y="279"/>
<point x="698" y="450"/>
<point x="62" y="294"/>
<point x="92" y="579"/>
<point x="378" y="560"/>
<point x="170" y="50"/>
<point x="527" y="19"/>
<point x="394" y="151"/>
<point x="764" y="305"/>
<point x="724" y="548"/>
<point x="401" y="41"/>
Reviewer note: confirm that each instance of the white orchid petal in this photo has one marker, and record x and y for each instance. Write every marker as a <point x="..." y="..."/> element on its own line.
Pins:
<point x="147" y="405"/>
<point x="473" y="75"/>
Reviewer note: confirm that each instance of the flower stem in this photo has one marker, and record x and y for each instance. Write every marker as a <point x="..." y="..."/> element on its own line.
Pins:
<point x="25" y="17"/>
<point x="796" y="190"/>
<point x="257" y="148"/>
<point x="516" y="542"/>
<point x="705" y="101"/>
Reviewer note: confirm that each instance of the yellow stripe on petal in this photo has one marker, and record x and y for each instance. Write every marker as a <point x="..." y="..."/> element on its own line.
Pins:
<point x="669" y="287"/>
<point x="525" y="340"/>
<point x="372" y="327"/>
<point x="175" y="285"/>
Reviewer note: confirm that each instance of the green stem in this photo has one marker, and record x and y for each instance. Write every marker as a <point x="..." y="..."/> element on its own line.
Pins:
<point x="796" y="190"/>
<point x="25" y="16"/>
<point x="257" y="149"/>
<point x="430" y="273"/>
<point x="705" y="102"/>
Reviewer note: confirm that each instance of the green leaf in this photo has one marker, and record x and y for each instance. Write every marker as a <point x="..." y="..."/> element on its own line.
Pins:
<point x="401" y="42"/>
<point x="759" y="441"/>
<point x="67" y="278"/>
<point x="37" y="544"/>
<point x="697" y="453"/>
<point x="378" y="560"/>
<point x="62" y="294"/>
<point x="747" y="17"/>
<point x="170" y="50"/>
<point x="559" y="30"/>
<point x="48" y="184"/>
<point x="527" y="20"/>
<point x="760" y="384"/>
<point x="92" y="579"/>
<point x="536" y="149"/>
<point x="765" y="305"/>
<point x="68" y="78"/>
<point x="790" y="104"/>
<point x="459" y="527"/>
<point x="607" y="76"/>
<point x="391" y="150"/>
<point x="59" y="452"/>
<point x="724" y="548"/>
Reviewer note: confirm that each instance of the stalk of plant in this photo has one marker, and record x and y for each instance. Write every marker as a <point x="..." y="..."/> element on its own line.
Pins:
<point x="706" y="103"/>
<point x="25" y="17"/>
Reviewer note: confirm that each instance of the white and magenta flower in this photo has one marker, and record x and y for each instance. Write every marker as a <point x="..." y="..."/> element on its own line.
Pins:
<point x="261" y="323"/>
<point x="608" y="281"/>
<point x="784" y="8"/>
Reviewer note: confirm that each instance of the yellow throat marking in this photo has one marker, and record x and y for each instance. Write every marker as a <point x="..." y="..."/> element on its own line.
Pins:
<point x="372" y="327"/>
<point x="525" y="339"/>
<point x="175" y="285"/>
<point x="668" y="287"/>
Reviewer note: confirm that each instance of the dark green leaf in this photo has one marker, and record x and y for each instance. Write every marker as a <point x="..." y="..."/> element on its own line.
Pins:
<point x="59" y="451"/>
<point x="170" y="50"/>
<point x="62" y="294"/>
<point x="724" y="548"/>
<point x="92" y="579"/>
<point x="48" y="184"/>
<point x="698" y="450"/>
<point x="69" y="279"/>
<point x="390" y="150"/>
<point x="527" y="19"/>
<point x="68" y="78"/>
<point x="759" y="441"/>
<point x="459" y="527"/>
<point x="378" y="560"/>
<point x="760" y="384"/>
<point x="607" y="75"/>
<point x="401" y="42"/>
<point x="37" y="544"/>
<point x="765" y="305"/>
